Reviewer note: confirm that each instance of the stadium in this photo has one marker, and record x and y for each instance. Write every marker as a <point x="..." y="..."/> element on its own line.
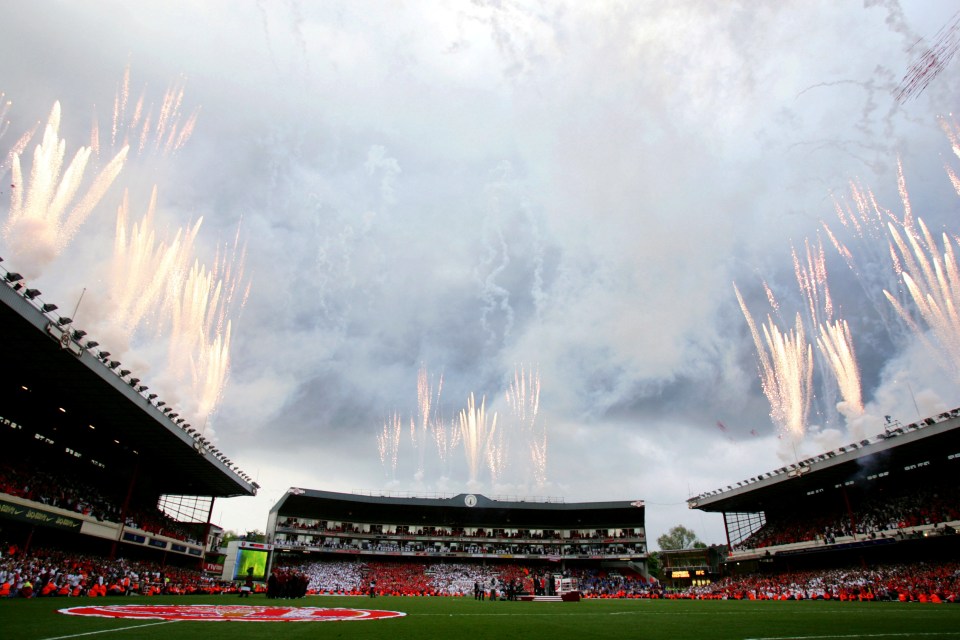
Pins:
<point x="465" y="195"/>
<point x="99" y="478"/>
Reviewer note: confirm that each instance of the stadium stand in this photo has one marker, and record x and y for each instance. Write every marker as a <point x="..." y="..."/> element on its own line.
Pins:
<point x="445" y="545"/>
<point x="94" y="466"/>
<point x="889" y="499"/>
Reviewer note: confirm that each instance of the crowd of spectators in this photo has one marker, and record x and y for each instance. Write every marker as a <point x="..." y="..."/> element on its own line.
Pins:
<point x="30" y="482"/>
<point x="404" y="578"/>
<point x="45" y="572"/>
<point x="52" y="572"/>
<point x="876" y="516"/>
<point x="922" y="582"/>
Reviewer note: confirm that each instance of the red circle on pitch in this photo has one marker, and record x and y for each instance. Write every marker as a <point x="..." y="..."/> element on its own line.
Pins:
<point x="240" y="613"/>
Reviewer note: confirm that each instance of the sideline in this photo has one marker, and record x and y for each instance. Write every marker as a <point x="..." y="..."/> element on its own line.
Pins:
<point x="862" y="635"/>
<point x="93" y="633"/>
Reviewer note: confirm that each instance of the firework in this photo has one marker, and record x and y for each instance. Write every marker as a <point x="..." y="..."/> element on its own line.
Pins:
<point x="931" y="62"/>
<point x="388" y="443"/>
<point x="836" y="344"/>
<point x="523" y="398"/>
<point x="786" y="371"/>
<point x="45" y="212"/>
<point x="932" y="278"/>
<point x="143" y="268"/>
<point x="161" y="129"/>
<point x="479" y="438"/>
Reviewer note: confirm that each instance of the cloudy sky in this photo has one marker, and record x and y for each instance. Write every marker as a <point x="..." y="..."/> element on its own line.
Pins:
<point x="471" y="189"/>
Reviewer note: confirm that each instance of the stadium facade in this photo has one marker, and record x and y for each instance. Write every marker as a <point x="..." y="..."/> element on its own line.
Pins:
<point x="465" y="527"/>
<point x="91" y="458"/>
<point x="892" y="497"/>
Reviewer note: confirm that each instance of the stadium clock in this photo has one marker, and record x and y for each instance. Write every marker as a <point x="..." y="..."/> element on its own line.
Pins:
<point x="470" y="500"/>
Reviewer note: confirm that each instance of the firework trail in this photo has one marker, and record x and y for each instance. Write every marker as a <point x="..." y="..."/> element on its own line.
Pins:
<point x="811" y="276"/>
<point x="45" y="212"/>
<point x="22" y="142"/>
<point x="17" y="148"/>
<point x="388" y="444"/>
<point x="479" y="439"/>
<point x="161" y="130"/>
<point x="523" y="398"/>
<point x="4" y="110"/>
<point x="200" y="305"/>
<point x="932" y="278"/>
<point x="952" y="130"/>
<point x="786" y="372"/>
<point x="836" y="344"/>
<point x="143" y="269"/>
<point x="931" y="62"/>
<point x="445" y="438"/>
<point x="872" y="265"/>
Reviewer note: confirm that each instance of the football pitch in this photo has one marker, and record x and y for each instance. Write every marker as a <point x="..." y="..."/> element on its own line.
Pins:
<point x="467" y="619"/>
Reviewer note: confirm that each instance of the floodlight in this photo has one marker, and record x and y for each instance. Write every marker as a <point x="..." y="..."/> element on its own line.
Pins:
<point x="30" y="294"/>
<point x="48" y="307"/>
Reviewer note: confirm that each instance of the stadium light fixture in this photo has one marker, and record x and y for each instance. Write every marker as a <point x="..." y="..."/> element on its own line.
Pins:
<point x="173" y="415"/>
<point x="30" y="294"/>
<point x="64" y="321"/>
<point x="13" y="276"/>
<point x="78" y="334"/>
<point x="165" y="409"/>
<point x="151" y="396"/>
<point x="48" y="307"/>
<point x="113" y="364"/>
<point x="142" y="388"/>
<point x="91" y="344"/>
<point x="134" y="381"/>
<point x="124" y="373"/>
<point x="161" y="403"/>
<point x="103" y="355"/>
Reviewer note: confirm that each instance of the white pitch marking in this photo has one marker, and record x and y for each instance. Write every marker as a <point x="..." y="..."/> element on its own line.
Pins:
<point x="861" y="635"/>
<point x="93" y="633"/>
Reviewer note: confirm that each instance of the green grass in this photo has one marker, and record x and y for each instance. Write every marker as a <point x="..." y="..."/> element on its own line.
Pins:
<point x="466" y="619"/>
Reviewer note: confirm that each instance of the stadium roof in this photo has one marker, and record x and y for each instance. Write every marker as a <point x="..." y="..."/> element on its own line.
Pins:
<point x="457" y="510"/>
<point x="928" y="447"/>
<point x="73" y="401"/>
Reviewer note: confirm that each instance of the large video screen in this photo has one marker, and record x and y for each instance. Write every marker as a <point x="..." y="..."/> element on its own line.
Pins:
<point x="247" y="559"/>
